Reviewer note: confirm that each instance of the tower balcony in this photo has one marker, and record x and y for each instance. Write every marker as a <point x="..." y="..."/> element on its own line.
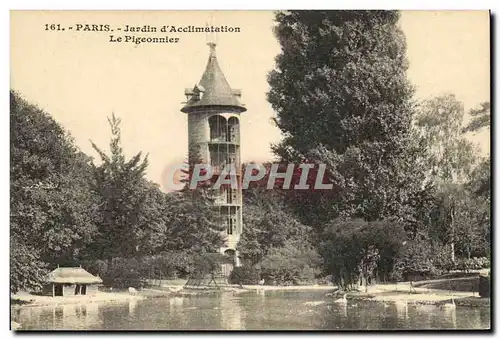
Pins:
<point x="218" y="168"/>
<point x="225" y="142"/>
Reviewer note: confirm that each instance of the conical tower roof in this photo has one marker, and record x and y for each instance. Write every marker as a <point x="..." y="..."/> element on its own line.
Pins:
<point x="213" y="89"/>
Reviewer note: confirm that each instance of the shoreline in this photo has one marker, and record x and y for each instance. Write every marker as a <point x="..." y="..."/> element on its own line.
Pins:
<point x="281" y="288"/>
<point x="425" y="299"/>
<point x="29" y="300"/>
<point x="379" y="293"/>
<point x="421" y="296"/>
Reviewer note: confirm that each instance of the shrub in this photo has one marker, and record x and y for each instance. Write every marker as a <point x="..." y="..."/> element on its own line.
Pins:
<point x="324" y="280"/>
<point x="474" y="263"/>
<point x="442" y="260"/>
<point x="343" y="244"/>
<point x="123" y="273"/>
<point x="290" y="265"/>
<point x="415" y="263"/>
<point x="246" y="275"/>
<point x="168" y="265"/>
<point x="96" y="267"/>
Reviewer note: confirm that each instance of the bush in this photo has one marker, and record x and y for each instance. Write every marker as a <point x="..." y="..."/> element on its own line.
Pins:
<point x="474" y="263"/>
<point x="442" y="260"/>
<point x="168" y="265"/>
<point x="290" y="265"/>
<point x="324" y="280"/>
<point x="123" y="273"/>
<point x="343" y="241"/>
<point x="245" y="275"/>
<point x="415" y="262"/>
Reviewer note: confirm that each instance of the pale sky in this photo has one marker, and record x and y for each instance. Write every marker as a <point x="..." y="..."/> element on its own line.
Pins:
<point x="80" y="78"/>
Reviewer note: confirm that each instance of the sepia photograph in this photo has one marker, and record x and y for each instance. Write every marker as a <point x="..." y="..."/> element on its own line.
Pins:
<point x="271" y="170"/>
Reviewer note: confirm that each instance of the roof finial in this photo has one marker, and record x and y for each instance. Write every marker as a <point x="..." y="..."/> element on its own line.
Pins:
<point x="212" y="49"/>
<point x="211" y="36"/>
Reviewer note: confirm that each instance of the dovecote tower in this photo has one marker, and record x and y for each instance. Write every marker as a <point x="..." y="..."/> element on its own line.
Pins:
<point x="213" y="111"/>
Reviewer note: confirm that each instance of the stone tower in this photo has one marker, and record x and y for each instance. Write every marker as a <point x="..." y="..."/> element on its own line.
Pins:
<point x="213" y="111"/>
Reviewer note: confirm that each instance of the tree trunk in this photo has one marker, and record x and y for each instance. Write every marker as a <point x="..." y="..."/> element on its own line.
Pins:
<point x="452" y="224"/>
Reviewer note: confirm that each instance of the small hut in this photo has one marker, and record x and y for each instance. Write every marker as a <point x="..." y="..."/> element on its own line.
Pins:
<point x="71" y="281"/>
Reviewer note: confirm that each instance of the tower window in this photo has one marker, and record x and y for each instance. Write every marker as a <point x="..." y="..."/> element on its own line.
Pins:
<point x="230" y="225"/>
<point x="233" y="129"/>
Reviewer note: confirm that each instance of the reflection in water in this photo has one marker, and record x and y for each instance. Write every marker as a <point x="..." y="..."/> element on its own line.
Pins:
<point x="402" y="309"/>
<point x="451" y="315"/>
<point x="176" y="301"/>
<point x="475" y="319"/>
<point x="90" y="314"/>
<point x="343" y="310"/>
<point x="230" y="313"/>
<point x="70" y="316"/>
<point x="255" y="310"/>
<point x="132" y="306"/>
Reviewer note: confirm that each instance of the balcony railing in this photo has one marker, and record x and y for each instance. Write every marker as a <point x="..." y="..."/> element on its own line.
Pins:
<point x="217" y="169"/>
<point x="224" y="139"/>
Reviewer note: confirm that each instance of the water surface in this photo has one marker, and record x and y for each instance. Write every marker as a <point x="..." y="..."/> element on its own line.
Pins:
<point x="255" y="310"/>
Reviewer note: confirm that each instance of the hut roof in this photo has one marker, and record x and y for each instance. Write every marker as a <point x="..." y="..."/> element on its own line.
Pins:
<point x="72" y="275"/>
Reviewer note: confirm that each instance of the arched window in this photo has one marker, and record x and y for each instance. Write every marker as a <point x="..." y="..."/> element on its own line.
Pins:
<point x="218" y="128"/>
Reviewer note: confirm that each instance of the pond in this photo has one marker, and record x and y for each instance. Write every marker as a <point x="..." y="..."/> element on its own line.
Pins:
<point x="254" y="310"/>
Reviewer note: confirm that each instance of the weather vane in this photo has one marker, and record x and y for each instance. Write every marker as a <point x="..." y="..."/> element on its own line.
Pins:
<point x="211" y="36"/>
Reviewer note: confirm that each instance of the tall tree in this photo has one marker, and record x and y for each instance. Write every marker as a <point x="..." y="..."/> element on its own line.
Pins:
<point x="480" y="118"/>
<point x="197" y="224"/>
<point x="340" y="80"/>
<point x="342" y="98"/>
<point x="480" y="182"/>
<point x="51" y="203"/>
<point x="481" y="178"/>
<point x="451" y="158"/>
<point x="120" y="185"/>
<point x="194" y="224"/>
<point x="268" y="224"/>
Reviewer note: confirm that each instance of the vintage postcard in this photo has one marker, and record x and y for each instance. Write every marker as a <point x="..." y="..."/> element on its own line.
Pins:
<point x="250" y="170"/>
